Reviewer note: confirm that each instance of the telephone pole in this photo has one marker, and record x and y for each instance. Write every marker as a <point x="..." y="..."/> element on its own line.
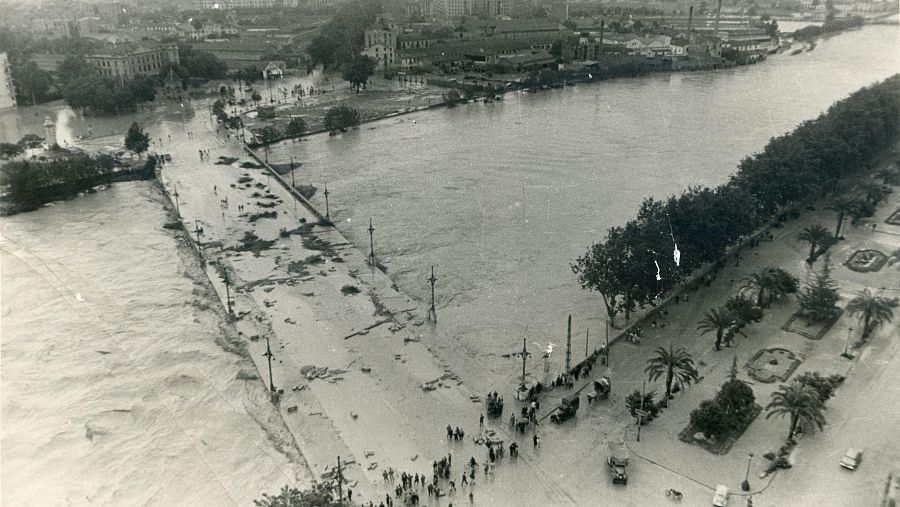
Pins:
<point x="227" y="293"/>
<point x="432" y="312"/>
<point x="569" y="345"/>
<point x="371" y="244"/>
<point x="199" y="232"/>
<point x="175" y="195"/>
<point x="340" y="481"/>
<point x="640" y="415"/>
<point x="587" y="335"/>
<point x="607" y="345"/>
<point x="327" y="215"/>
<point x="269" y="356"/>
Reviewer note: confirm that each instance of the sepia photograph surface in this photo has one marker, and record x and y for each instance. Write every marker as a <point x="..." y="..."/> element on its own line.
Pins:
<point x="378" y="253"/>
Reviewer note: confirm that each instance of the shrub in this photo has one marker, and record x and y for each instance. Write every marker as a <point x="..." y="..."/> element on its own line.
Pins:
<point x="349" y="289"/>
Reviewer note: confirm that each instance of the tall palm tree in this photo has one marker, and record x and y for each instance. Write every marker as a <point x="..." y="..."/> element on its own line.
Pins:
<point x="716" y="320"/>
<point x="762" y="284"/>
<point x="873" y="310"/>
<point x="816" y="235"/>
<point x="845" y="205"/>
<point x="676" y="365"/>
<point x="801" y="403"/>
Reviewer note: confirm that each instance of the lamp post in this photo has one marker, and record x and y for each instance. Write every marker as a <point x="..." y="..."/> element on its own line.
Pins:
<point x="269" y="356"/>
<point x="746" y="484"/>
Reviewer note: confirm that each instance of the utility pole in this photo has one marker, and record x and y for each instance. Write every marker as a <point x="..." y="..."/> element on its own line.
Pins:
<point x="199" y="232"/>
<point x="175" y="195"/>
<point x="432" y="312"/>
<point x="641" y="412"/>
<point x="269" y="356"/>
<point x="607" y="345"/>
<point x="569" y="345"/>
<point x="293" y="184"/>
<point x="371" y="244"/>
<point x="587" y="335"/>
<point x="524" y="358"/>
<point x="340" y="481"/>
<point x="227" y="291"/>
<point x="327" y="215"/>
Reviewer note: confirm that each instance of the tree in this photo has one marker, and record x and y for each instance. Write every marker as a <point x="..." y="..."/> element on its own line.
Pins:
<point x="633" y="403"/>
<point x="255" y="97"/>
<point x="136" y="140"/>
<point x="143" y="88"/>
<point x="200" y="64"/>
<point x="341" y="118"/>
<point x="744" y="310"/>
<point x="783" y="283"/>
<point x="872" y="309"/>
<point x="267" y="135"/>
<point x="736" y="399"/>
<point x="824" y="386"/>
<point x="31" y="141"/>
<point x="801" y="403"/>
<point x="32" y="83"/>
<point x="815" y="235"/>
<point x="710" y="419"/>
<point x="321" y="495"/>
<point x="9" y="150"/>
<point x="716" y="320"/>
<point x="759" y="283"/>
<point x="295" y="128"/>
<point x="818" y="301"/>
<point x="676" y="365"/>
<point x="844" y="205"/>
<point x="357" y="73"/>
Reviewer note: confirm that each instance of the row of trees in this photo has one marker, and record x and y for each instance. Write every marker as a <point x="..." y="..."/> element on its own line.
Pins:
<point x="632" y="266"/>
<point x="29" y="184"/>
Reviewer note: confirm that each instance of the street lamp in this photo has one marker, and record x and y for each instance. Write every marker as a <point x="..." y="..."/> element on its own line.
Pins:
<point x="746" y="484"/>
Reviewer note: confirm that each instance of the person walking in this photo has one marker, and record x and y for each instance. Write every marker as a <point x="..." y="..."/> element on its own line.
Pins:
<point x="481" y="420"/>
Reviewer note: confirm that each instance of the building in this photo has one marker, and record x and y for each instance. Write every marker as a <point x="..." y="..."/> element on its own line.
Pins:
<point x="48" y="62"/>
<point x="131" y="59"/>
<point x="239" y="55"/>
<point x="381" y="46"/>
<point x="7" y="88"/>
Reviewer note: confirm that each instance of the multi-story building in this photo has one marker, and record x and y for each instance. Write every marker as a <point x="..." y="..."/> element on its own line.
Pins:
<point x="131" y="59"/>
<point x="7" y="88"/>
<point x="381" y="45"/>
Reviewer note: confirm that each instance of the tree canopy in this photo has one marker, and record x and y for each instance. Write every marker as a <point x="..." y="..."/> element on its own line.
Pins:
<point x="136" y="139"/>
<point x="341" y="39"/>
<point x="636" y="264"/>
<point x="358" y="71"/>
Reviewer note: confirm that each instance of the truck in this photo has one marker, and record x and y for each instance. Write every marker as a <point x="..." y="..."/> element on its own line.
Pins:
<point x="567" y="409"/>
<point x="617" y="459"/>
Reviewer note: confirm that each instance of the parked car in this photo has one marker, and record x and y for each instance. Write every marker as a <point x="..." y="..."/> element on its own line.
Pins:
<point x="720" y="499"/>
<point x="851" y="460"/>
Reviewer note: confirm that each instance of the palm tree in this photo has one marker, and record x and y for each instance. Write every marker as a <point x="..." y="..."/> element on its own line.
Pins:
<point x="676" y="365"/>
<point x="845" y="205"/>
<point x="718" y="320"/>
<point x="816" y="235"/>
<point x="799" y="401"/>
<point x="759" y="283"/>
<point x="873" y="310"/>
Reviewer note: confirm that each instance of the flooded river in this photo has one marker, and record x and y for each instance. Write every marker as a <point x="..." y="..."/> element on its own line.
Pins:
<point x="120" y="384"/>
<point x="502" y="197"/>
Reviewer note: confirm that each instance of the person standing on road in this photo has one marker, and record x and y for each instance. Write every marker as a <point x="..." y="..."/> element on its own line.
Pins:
<point x="481" y="420"/>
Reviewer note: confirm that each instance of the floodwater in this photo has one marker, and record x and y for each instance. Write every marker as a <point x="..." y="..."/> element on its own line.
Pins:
<point x="121" y="385"/>
<point x="502" y="197"/>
